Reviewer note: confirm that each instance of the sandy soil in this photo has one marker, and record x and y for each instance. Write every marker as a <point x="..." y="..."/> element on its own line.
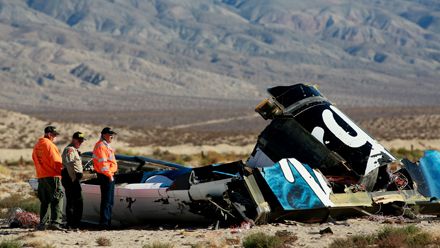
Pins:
<point x="308" y="234"/>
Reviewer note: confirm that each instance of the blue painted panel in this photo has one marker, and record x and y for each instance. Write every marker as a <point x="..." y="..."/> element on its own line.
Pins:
<point x="292" y="196"/>
<point x="426" y="173"/>
<point x="430" y="166"/>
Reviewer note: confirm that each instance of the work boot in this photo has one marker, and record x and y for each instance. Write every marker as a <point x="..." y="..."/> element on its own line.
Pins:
<point x="56" y="227"/>
<point x="41" y="227"/>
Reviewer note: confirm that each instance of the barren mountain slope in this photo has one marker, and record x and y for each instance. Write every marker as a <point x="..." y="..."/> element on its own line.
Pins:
<point x="183" y="55"/>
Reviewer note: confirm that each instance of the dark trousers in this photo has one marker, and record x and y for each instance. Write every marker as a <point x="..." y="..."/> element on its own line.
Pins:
<point x="50" y="194"/>
<point x="74" y="200"/>
<point x="107" y="199"/>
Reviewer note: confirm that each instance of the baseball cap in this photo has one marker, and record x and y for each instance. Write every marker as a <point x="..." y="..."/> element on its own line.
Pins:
<point x="79" y="136"/>
<point x="108" y="130"/>
<point x="51" y="129"/>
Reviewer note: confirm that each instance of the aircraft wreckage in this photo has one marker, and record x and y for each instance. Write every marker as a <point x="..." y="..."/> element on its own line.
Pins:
<point x="310" y="163"/>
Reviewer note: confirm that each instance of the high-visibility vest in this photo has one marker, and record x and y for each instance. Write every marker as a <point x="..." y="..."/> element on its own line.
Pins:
<point x="104" y="160"/>
<point x="47" y="159"/>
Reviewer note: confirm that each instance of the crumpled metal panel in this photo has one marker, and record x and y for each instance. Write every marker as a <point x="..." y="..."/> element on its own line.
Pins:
<point x="425" y="173"/>
<point x="296" y="186"/>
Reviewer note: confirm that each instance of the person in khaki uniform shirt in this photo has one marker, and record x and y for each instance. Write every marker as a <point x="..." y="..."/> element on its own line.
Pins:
<point x="71" y="175"/>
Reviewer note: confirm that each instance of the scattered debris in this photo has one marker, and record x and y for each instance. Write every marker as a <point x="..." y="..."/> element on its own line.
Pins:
<point x="327" y="231"/>
<point x="18" y="218"/>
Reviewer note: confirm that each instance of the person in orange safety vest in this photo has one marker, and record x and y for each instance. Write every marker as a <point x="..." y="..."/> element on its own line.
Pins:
<point x="48" y="166"/>
<point x="105" y="165"/>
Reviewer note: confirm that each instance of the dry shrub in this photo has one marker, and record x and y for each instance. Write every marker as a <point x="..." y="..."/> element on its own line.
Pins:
<point x="212" y="157"/>
<point x="409" y="236"/>
<point x="262" y="240"/>
<point x="29" y="204"/>
<point x="206" y="244"/>
<point x="4" y="170"/>
<point x="286" y="237"/>
<point x="127" y="152"/>
<point x="38" y="244"/>
<point x="198" y="245"/>
<point x="10" y="244"/>
<point x="412" y="155"/>
<point x="203" y="158"/>
<point x="390" y="237"/>
<point x="232" y="241"/>
<point x="101" y="241"/>
<point x="158" y="245"/>
<point x="360" y="241"/>
<point x="19" y="162"/>
<point x="395" y="240"/>
<point x="31" y="235"/>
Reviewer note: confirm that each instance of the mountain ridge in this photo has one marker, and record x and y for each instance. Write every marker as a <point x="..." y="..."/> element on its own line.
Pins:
<point x="147" y="54"/>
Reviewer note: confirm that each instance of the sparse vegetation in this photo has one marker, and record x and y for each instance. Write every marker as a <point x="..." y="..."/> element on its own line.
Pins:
<point x="19" y="162"/>
<point x="203" y="158"/>
<point x="198" y="245"/>
<point x="199" y="159"/>
<point x="360" y="241"/>
<point x="261" y="240"/>
<point x="413" y="154"/>
<point x="158" y="245"/>
<point x="408" y="236"/>
<point x="102" y="241"/>
<point x="210" y="244"/>
<point x="4" y="170"/>
<point x="10" y="244"/>
<point x="38" y="244"/>
<point x="30" y="204"/>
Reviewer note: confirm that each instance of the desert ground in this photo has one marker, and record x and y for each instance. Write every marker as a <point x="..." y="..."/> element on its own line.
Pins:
<point x="18" y="132"/>
<point x="308" y="235"/>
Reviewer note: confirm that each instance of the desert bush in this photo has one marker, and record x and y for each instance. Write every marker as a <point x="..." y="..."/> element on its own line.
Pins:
<point x="29" y="204"/>
<point x="19" y="162"/>
<point x="203" y="158"/>
<point x="4" y="170"/>
<point x="127" y="152"/>
<point x="262" y="240"/>
<point x="198" y="245"/>
<point x="412" y="154"/>
<point x="38" y="244"/>
<point x="409" y="236"/>
<point x="158" y="245"/>
<point x="286" y="237"/>
<point x="212" y="157"/>
<point x="101" y="241"/>
<point x="360" y="241"/>
<point x="10" y="244"/>
<point x="213" y="244"/>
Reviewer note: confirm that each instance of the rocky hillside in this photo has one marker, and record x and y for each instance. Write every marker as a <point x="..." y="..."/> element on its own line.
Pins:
<point x="183" y="55"/>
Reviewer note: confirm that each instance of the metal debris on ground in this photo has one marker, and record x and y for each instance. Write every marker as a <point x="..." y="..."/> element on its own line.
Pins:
<point x="327" y="230"/>
<point x="18" y="218"/>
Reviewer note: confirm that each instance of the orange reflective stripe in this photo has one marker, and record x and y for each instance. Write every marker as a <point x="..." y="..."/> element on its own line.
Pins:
<point x="104" y="160"/>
